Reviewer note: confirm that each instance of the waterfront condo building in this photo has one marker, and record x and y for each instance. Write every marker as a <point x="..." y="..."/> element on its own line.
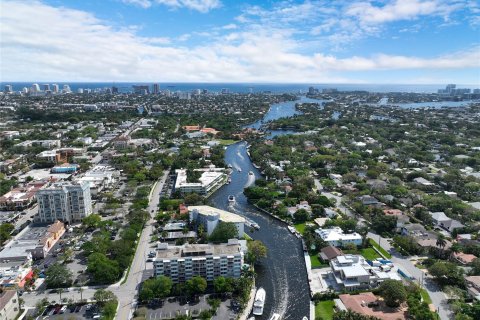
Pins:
<point x="181" y="263"/>
<point x="210" y="217"/>
<point x="64" y="201"/>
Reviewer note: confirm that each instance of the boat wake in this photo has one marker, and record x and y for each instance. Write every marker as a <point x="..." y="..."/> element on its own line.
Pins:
<point x="240" y="155"/>
<point x="250" y="181"/>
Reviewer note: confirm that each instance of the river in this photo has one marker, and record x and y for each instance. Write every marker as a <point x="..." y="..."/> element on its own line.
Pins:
<point x="282" y="273"/>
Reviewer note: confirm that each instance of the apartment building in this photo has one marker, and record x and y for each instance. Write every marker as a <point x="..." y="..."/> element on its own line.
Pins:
<point x="181" y="263"/>
<point x="9" y="304"/>
<point x="210" y="217"/>
<point x="64" y="201"/>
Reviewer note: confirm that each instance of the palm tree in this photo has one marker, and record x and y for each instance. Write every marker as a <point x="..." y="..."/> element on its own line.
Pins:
<point x="60" y="291"/>
<point x="455" y="248"/>
<point x="81" y="293"/>
<point x="441" y="241"/>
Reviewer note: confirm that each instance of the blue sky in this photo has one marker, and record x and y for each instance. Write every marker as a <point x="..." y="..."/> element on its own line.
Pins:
<point x="384" y="41"/>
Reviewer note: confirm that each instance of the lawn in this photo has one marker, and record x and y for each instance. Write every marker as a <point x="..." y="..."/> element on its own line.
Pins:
<point x="369" y="254"/>
<point x="426" y="298"/>
<point x="300" y="227"/>
<point x="316" y="263"/>
<point x="227" y="142"/>
<point x="383" y="251"/>
<point x="324" y="309"/>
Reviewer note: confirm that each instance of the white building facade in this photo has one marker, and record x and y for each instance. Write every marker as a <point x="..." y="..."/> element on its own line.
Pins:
<point x="206" y="260"/>
<point x="64" y="201"/>
<point x="335" y="237"/>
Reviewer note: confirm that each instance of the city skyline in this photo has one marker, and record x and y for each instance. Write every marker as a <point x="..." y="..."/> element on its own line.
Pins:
<point x="393" y="42"/>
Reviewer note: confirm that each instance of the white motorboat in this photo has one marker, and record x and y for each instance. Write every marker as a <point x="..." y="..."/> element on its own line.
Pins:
<point x="231" y="199"/>
<point x="250" y="173"/>
<point x="259" y="302"/>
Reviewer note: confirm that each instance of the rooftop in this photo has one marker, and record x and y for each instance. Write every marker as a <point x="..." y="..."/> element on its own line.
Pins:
<point x="198" y="250"/>
<point x="225" y="216"/>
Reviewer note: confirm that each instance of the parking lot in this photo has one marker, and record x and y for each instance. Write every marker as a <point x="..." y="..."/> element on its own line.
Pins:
<point x="172" y="307"/>
<point x="80" y="312"/>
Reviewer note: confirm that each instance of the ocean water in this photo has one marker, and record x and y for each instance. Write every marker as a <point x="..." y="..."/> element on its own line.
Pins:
<point x="244" y="87"/>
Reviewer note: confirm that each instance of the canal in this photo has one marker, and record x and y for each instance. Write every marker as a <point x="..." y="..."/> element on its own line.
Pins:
<point x="282" y="274"/>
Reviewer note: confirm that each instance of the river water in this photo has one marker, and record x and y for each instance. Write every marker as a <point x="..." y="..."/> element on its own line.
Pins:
<point x="282" y="273"/>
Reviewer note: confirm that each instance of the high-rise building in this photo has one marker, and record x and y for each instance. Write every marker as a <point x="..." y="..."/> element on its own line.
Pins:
<point x="79" y="90"/>
<point x="156" y="88"/>
<point x="45" y="87"/>
<point x="65" y="201"/>
<point x="66" y="88"/>
<point x="205" y="260"/>
<point x="141" y="89"/>
<point x="35" y="88"/>
<point x="225" y="91"/>
<point x="8" y="88"/>
<point x="25" y="90"/>
<point x="114" y="90"/>
<point x="450" y="88"/>
<point x="55" y="88"/>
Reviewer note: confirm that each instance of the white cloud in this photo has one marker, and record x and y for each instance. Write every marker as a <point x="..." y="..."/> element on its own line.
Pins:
<point x="198" y="5"/>
<point x="76" y="46"/>
<point x="141" y="3"/>
<point x="401" y="10"/>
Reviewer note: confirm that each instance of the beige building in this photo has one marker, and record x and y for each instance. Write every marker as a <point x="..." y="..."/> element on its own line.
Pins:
<point x="9" y="305"/>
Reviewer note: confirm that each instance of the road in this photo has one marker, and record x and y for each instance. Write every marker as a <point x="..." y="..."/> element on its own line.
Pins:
<point x="126" y="292"/>
<point x="439" y="299"/>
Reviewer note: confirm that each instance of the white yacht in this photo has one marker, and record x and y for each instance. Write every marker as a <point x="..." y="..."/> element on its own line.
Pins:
<point x="231" y="199"/>
<point x="259" y="302"/>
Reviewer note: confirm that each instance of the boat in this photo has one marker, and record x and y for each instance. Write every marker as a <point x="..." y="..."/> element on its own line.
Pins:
<point x="275" y="316"/>
<point x="252" y="224"/>
<point x="292" y="229"/>
<point x="231" y="199"/>
<point x="230" y="166"/>
<point x="250" y="173"/>
<point x="229" y="180"/>
<point x="304" y="318"/>
<point x="251" y="318"/>
<point x="239" y="170"/>
<point x="259" y="302"/>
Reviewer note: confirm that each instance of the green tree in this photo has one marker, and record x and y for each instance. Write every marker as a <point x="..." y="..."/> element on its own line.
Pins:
<point x="103" y="270"/>
<point x="393" y="292"/>
<point x="196" y="285"/>
<point x="159" y="287"/>
<point x="223" y="232"/>
<point x="301" y="215"/>
<point x="5" y="232"/>
<point x="256" y="250"/>
<point x="446" y="273"/>
<point x="102" y="296"/>
<point x="92" y="221"/>
<point x="58" y="276"/>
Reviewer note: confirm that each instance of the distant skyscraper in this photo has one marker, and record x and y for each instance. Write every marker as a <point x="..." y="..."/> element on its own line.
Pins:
<point x="156" y="88"/>
<point x="224" y="91"/>
<point x="55" y="88"/>
<point x="66" y="88"/>
<point x="450" y="88"/>
<point x="25" y="90"/>
<point x="197" y="92"/>
<point x="141" y="89"/>
<point x="114" y="90"/>
<point x="168" y="93"/>
<point x="79" y="90"/>
<point x="35" y="88"/>
<point x="8" y="88"/>
<point x="45" y="87"/>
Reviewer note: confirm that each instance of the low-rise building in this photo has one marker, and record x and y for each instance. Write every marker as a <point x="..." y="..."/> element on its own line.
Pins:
<point x="441" y="220"/>
<point x="100" y="177"/>
<point x="9" y="304"/>
<point x="20" y="198"/>
<point x="181" y="263"/>
<point x="209" y="181"/>
<point x="32" y="243"/>
<point x="210" y="217"/>
<point x="366" y="303"/>
<point x="352" y="272"/>
<point x="337" y="238"/>
<point x="473" y="286"/>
